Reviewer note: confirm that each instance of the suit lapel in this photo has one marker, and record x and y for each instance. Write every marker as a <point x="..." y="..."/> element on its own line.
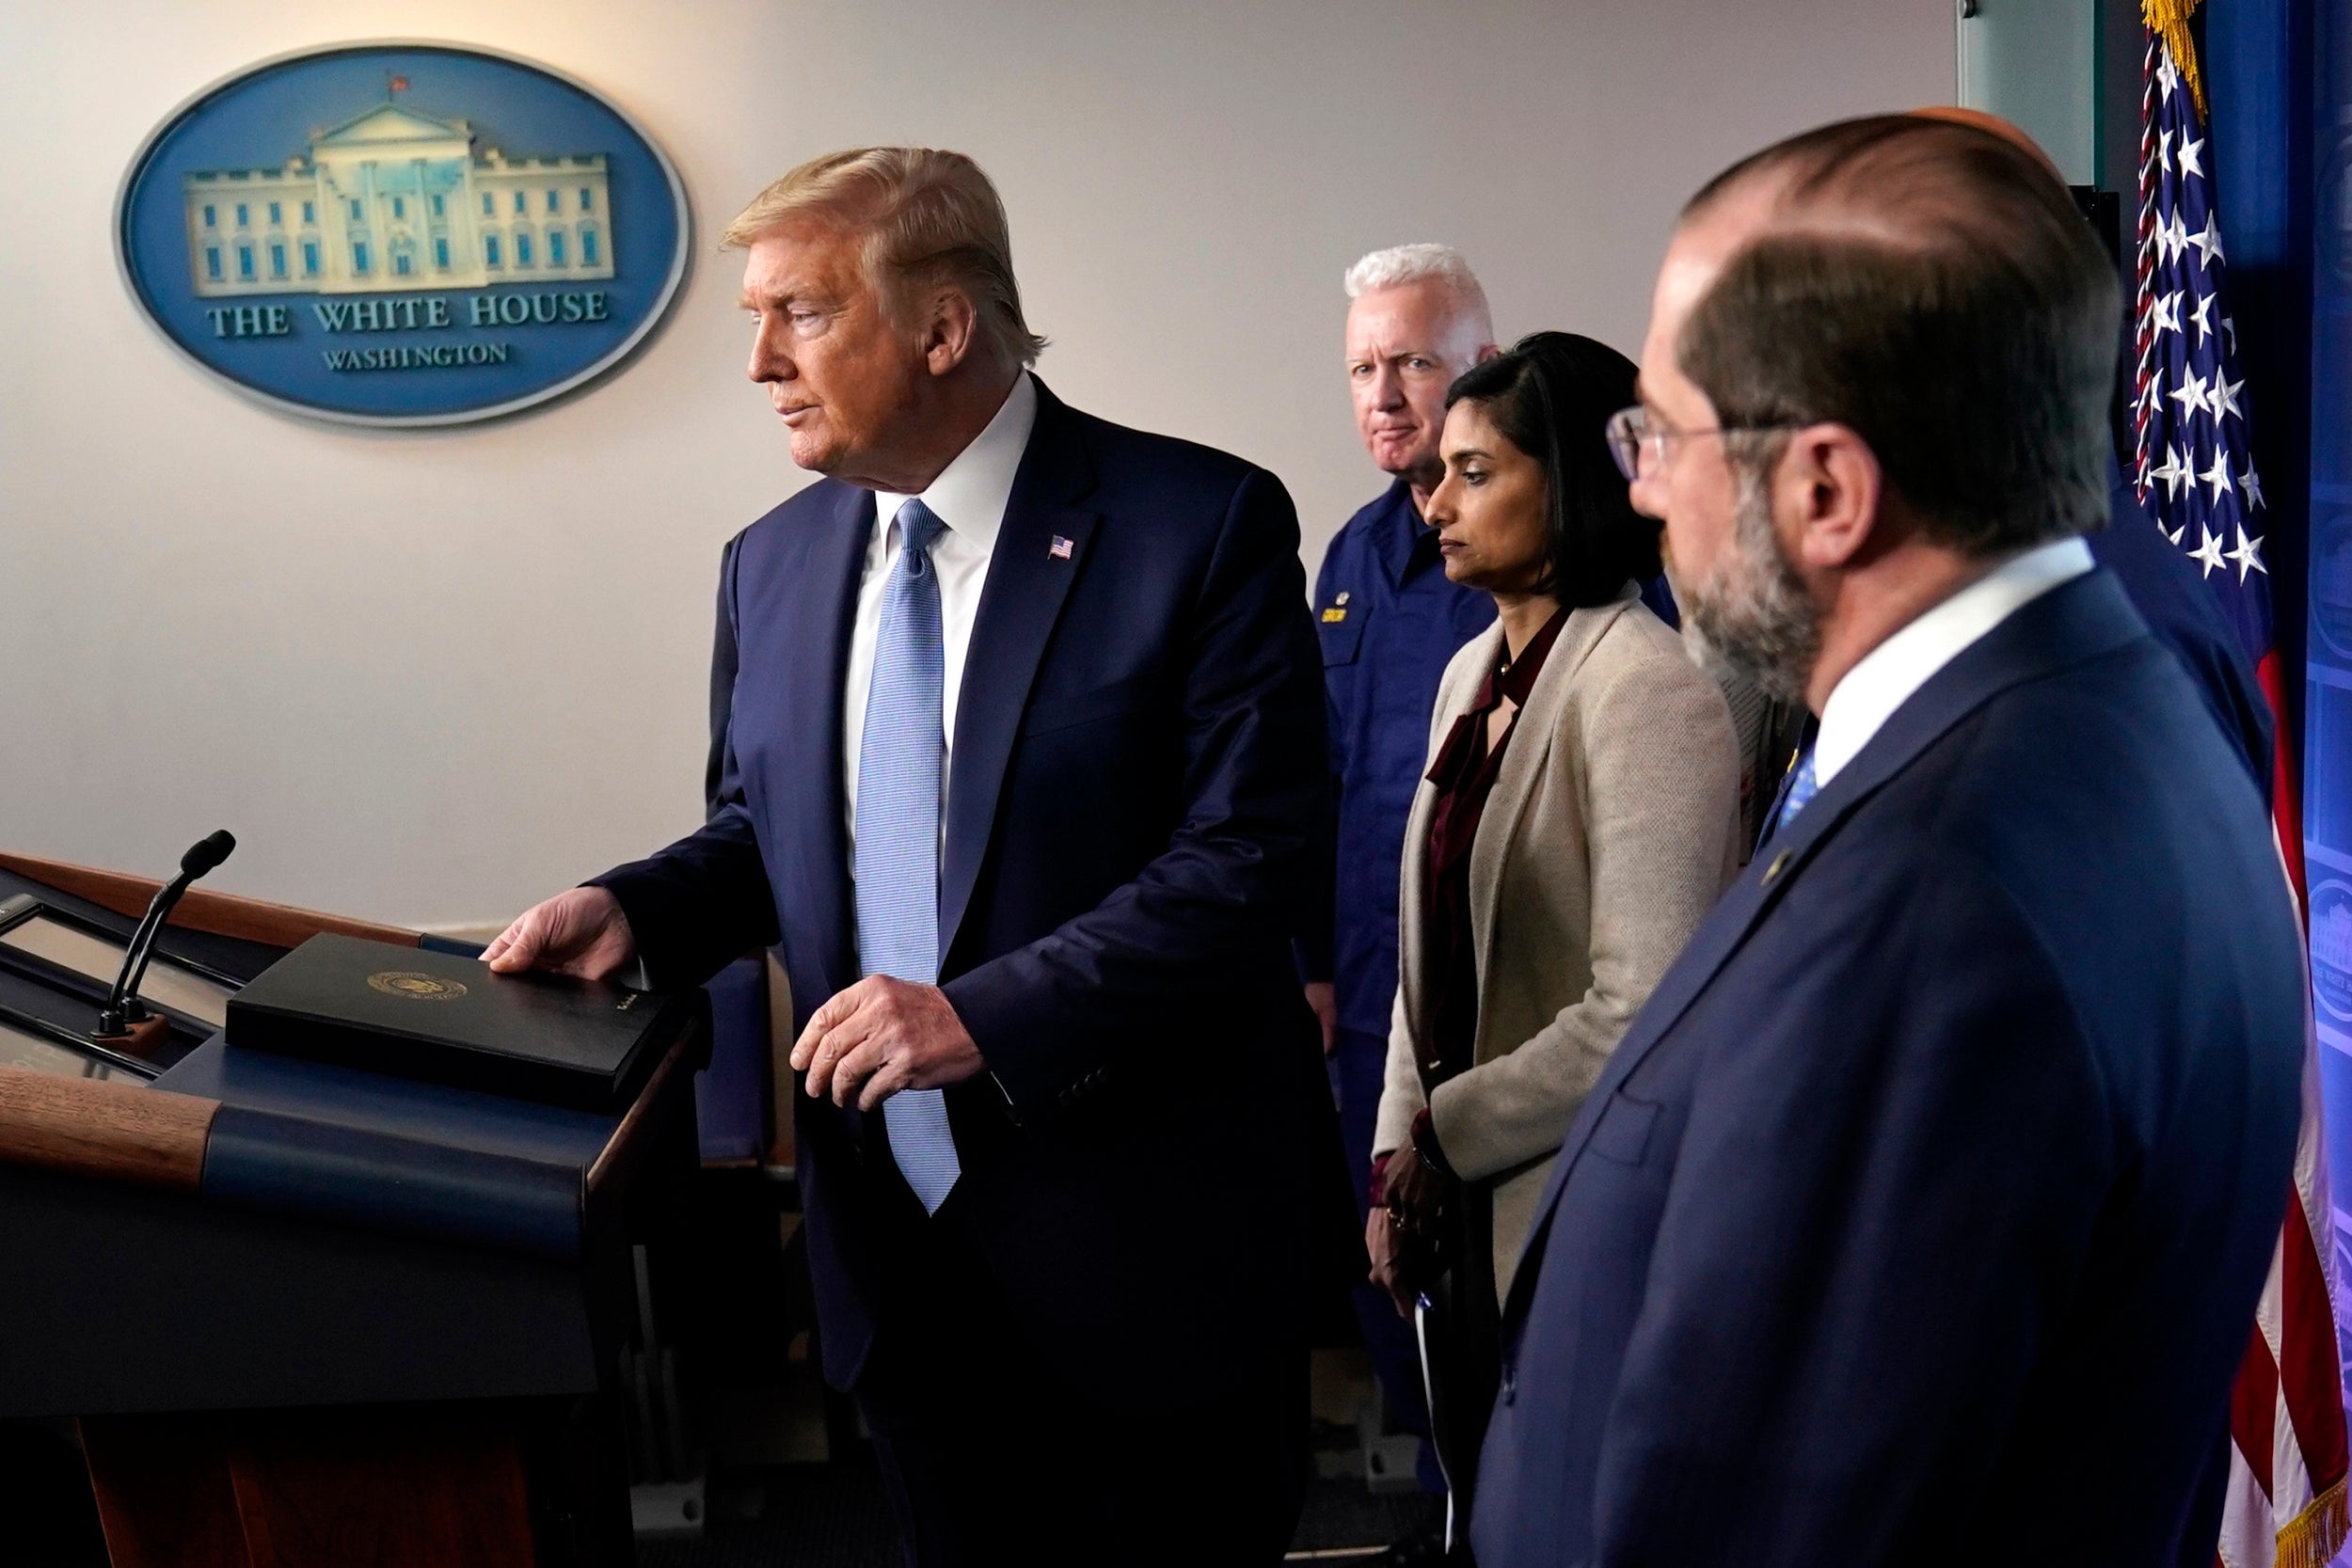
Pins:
<point x="1039" y="551"/>
<point x="812" y="806"/>
<point x="2075" y="621"/>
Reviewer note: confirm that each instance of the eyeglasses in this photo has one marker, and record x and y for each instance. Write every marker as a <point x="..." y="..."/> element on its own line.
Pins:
<point x="1632" y="431"/>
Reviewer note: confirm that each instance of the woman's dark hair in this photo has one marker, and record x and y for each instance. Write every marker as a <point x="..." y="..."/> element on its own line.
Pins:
<point x="1552" y="396"/>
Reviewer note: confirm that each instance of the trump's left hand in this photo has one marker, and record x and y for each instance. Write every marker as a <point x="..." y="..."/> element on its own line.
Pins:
<point x="881" y="1035"/>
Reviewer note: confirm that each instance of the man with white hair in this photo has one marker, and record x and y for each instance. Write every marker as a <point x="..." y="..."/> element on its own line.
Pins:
<point x="1017" y="765"/>
<point x="1389" y="620"/>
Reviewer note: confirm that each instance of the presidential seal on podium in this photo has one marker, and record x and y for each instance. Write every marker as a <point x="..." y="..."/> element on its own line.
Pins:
<point x="416" y="986"/>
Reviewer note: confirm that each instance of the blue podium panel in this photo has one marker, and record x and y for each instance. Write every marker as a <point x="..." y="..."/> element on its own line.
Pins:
<point x="310" y="1138"/>
<point x="354" y="1239"/>
<point x="123" y="1299"/>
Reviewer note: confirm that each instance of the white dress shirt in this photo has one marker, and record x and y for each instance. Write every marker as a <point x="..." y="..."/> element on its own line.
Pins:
<point x="1870" y="693"/>
<point x="969" y="497"/>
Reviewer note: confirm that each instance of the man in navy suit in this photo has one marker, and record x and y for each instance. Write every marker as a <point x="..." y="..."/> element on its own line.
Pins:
<point x="1920" y="1215"/>
<point x="1021" y="767"/>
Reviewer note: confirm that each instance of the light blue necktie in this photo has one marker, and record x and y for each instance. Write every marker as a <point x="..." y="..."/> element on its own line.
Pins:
<point x="901" y="756"/>
<point x="1801" y="789"/>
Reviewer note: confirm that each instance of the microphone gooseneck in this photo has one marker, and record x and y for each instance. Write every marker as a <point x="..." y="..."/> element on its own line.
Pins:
<point x="123" y="1007"/>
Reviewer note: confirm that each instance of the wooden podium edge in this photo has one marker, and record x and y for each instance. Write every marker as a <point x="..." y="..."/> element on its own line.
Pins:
<point x="220" y="914"/>
<point x="114" y="1131"/>
<point x="623" y="1146"/>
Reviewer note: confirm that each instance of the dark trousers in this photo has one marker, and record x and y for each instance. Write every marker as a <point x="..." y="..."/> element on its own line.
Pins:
<point x="991" y="1457"/>
<point x="1359" y="1063"/>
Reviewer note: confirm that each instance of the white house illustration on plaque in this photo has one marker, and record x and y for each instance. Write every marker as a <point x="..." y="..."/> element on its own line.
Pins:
<point x="394" y="198"/>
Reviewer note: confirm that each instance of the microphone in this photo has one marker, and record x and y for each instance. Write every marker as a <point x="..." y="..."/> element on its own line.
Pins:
<point x="123" y="1008"/>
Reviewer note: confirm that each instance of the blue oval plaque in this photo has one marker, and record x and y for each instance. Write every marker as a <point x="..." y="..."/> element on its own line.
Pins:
<point x="402" y="233"/>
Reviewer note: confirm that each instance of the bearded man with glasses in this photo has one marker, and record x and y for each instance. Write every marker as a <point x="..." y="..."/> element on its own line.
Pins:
<point x="1946" y="1165"/>
<point x="1769" y="731"/>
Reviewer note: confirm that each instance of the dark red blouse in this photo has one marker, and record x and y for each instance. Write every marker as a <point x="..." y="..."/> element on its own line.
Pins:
<point x="1465" y="773"/>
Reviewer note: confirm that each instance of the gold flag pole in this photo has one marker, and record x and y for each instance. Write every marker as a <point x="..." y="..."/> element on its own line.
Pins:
<point x="2169" y="21"/>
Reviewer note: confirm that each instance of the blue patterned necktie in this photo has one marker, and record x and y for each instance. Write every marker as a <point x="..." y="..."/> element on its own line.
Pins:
<point x="901" y="754"/>
<point x="1801" y="789"/>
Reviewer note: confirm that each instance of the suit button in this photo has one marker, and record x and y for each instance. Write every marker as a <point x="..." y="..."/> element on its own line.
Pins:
<point x="1510" y="1389"/>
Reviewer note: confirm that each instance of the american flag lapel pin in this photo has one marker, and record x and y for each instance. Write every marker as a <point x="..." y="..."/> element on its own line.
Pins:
<point x="1059" y="549"/>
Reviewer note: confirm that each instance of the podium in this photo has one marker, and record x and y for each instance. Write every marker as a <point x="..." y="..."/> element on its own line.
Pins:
<point x="306" y="1315"/>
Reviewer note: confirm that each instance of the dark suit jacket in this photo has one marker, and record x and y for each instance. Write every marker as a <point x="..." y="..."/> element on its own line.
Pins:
<point x="1921" y="1216"/>
<point x="1136" y="782"/>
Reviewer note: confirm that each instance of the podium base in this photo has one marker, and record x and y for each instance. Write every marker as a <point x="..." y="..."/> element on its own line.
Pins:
<point x="473" y="1484"/>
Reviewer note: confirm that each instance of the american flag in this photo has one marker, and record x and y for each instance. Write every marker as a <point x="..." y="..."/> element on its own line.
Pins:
<point x="2195" y="473"/>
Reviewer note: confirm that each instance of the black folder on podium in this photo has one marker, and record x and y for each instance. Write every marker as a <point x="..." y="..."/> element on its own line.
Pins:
<point x="445" y="1018"/>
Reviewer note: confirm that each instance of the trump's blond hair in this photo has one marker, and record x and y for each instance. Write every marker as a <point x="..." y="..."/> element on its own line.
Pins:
<point x="927" y="218"/>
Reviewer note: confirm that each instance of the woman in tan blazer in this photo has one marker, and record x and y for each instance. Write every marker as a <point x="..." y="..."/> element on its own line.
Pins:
<point x="1579" y="815"/>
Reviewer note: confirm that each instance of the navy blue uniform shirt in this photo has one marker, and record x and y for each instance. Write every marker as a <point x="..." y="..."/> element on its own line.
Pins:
<point x="1389" y="621"/>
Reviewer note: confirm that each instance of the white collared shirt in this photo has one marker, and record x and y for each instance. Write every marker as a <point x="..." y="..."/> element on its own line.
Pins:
<point x="969" y="497"/>
<point x="1886" y="676"/>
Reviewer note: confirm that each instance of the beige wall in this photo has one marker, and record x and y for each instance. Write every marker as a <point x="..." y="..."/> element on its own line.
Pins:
<point x="429" y="677"/>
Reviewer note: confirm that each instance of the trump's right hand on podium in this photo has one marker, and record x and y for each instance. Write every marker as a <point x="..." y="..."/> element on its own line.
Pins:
<point x="580" y="932"/>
